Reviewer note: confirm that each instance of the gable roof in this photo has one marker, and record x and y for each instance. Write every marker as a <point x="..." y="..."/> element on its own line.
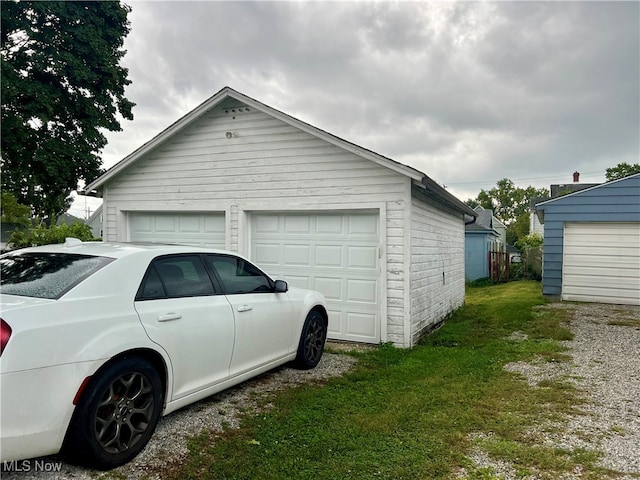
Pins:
<point x="418" y="177"/>
<point x="582" y="192"/>
<point x="483" y="223"/>
<point x="479" y="228"/>
<point x="485" y="217"/>
<point x="540" y="207"/>
<point x="563" y="189"/>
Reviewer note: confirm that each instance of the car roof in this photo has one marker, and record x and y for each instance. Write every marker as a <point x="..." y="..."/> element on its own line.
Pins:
<point x="116" y="249"/>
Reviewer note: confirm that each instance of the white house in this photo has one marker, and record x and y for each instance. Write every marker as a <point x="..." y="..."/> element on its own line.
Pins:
<point x="381" y="240"/>
<point x="534" y="222"/>
<point x="95" y="221"/>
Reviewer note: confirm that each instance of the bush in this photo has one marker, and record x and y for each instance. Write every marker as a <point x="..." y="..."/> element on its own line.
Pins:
<point x="530" y="266"/>
<point x="533" y="240"/>
<point x="42" y="235"/>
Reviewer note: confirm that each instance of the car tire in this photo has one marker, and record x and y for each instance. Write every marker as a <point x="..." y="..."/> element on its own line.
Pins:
<point x="116" y="415"/>
<point x="312" y="340"/>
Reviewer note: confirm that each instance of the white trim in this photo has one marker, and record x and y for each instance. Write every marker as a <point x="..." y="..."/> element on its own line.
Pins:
<point x="122" y="225"/>
<point x="227" y="227"/>
<point x="382" y="272"/>
<point x="244" y="231"/>
<point x="408" y="334"/>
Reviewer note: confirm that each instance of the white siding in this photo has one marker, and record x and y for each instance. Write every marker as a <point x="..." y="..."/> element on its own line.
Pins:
<point x="534" y="224"/>
<point x="266" y="160"/>
<point x="266" y="165"/>
<point x="437" y="264"/>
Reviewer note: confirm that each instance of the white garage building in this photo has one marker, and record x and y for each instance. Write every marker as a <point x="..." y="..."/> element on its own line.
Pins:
<point x="381" y="240"/>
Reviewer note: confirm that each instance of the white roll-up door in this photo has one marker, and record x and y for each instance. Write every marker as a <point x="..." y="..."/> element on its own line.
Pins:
<point x="601" y="263"/>
<point x="335" y="253"/>
<point x="202" y="229"/>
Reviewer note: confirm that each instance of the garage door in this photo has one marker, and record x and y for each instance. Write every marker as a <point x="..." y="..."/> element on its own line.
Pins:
<point x="336" y="254"/>
<point x="601" y="263"/>
<point x="203" y="229"/>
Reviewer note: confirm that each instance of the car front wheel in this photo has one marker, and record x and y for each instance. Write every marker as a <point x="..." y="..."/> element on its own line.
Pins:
<point x="312" y="340"/>
<point x="116" y="415"/>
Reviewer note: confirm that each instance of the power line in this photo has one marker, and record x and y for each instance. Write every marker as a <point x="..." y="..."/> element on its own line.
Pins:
<point x="514" y="180"/>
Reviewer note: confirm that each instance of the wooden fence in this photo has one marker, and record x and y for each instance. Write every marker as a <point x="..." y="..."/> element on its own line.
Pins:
<point x="499" y="266"/>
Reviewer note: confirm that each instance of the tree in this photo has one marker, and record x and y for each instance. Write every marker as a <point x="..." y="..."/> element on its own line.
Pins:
<point x="621" y="170"/>
<point x="472" y="202"/>
<point x="507" y="201"/>
<point x="62" y="85"/>
<point x="518" y="229"/>
<point x="533" y="240"/>
<point x="12" y="212"/>
<point x="510" y="204"/>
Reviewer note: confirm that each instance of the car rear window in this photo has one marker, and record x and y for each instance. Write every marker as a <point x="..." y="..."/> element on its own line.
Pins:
<point x="46" y="275"/>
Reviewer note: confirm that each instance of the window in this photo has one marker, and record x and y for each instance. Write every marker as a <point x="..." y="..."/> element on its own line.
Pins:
<point x="175" y="276"/>
<point x="239" y="276"/>
<point x="46" y="275"/>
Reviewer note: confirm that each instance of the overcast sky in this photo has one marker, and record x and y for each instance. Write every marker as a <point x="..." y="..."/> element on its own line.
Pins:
<point x="467" y="93"/>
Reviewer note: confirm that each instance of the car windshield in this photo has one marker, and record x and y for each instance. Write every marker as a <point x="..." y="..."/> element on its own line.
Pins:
<point x="46" y="275"/>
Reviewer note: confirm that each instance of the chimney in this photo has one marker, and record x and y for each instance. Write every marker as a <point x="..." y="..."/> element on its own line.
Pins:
<point x="576" y="177"/>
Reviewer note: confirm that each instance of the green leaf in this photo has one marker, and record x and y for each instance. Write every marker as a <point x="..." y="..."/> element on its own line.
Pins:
<point x="62" y="84"/>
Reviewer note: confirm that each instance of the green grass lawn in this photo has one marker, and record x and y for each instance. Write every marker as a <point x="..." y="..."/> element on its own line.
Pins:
<point x="413" y="414"/>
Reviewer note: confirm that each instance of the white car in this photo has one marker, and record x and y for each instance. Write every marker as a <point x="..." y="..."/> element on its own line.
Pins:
<point x="101" y="339"/>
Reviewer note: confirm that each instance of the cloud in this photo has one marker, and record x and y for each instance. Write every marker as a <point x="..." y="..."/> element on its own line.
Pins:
<point x="468" y="92"/>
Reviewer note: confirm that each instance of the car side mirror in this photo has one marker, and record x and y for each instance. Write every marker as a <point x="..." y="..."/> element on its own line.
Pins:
<point x="281" y="286"/>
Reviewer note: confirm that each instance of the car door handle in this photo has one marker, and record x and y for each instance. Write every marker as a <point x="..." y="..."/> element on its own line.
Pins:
<point x="169" y="316"/>
<point x="244" y="308"/>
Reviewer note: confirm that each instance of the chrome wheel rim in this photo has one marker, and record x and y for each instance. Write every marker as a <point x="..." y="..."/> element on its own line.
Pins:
<point x="124" y="413"/>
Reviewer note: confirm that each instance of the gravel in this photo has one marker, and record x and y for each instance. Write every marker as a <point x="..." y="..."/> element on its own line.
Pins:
<point x="605" y="366"/>
<point x="214" y="414"/>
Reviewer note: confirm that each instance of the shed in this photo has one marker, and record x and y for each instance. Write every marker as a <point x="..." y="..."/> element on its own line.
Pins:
<point x="481" y="237"/>
<point x="592" y="244"/>
<point x="381" y="240"/>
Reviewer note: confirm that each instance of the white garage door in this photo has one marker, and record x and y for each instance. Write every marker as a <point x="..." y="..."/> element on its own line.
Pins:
<point x="335" y="253"/>
<point x="203" y="229"/>
<point x="601" y="263"/>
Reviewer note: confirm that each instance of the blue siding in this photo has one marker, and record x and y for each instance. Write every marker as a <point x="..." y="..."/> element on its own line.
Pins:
<point x="476" y="251"/>
<point x="617" y="201"/>
<point x="622" y="213"/>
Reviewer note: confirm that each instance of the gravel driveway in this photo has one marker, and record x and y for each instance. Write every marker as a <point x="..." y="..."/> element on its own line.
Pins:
<point x="169" y="442"/>
<point x="605" y="365"/>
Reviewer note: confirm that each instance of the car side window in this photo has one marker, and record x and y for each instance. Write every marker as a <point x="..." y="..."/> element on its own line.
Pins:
<point x="239" y="276"/>
<point x="175" y="276"/>
<point x="151" y="287"/>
